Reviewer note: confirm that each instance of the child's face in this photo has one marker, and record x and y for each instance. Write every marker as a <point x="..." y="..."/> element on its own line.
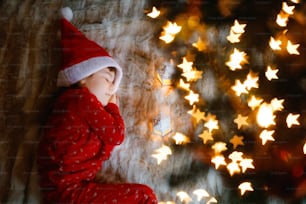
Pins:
<point x="101" y="84"/>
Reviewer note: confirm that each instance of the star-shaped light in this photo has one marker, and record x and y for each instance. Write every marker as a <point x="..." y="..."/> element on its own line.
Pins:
<point x="180" y="138"/>
<point x="275" y="44"/>
<point x="282" y="19"/>
<point x="292" y="48"/>
<point x="219" y="147"/>
<point x="241" y="120"/>
<point x="200" y="193"/>
<point x="154" y="13"/>
<point x="186" y="66"/>
<point x="167" y="38"/>
<point x="245" y="186"/>
<point x="237" y="27"/>
<point x="237" y="140"/>
<point x="277" y="104"/>
<point x="246" y="164"/>
<point x="295" y="1"/>
<point x="211" y="124"/>
<point x="184" y="85"/>
<point x="254" y="102"/>
<point x="251" y="81"/>
<point x="287" y="9"/>
<point x="266" y="135"/>
<point x="184" y="197"/>
<point x="162" y="153"/>
<point x="206" y="136"/>
<point x="292" y="119"/>
<point x="200" y="45"/>
<point x="192" y="97"/>
<point x="192" y="75"/>
<point x="233" y="37"/>
<point x="235" y="156"/>
<point x="237" y="58"/>
<point x="169" y="32"/>
<point x="265" y="116"/>
<point x="233" y="168"/>
<point x="172" y="28"/>
<point x="197" y="114"/>
<point x="271" y="73"/>
<point x="239" y="88"/>
<point x="218" y="160"/>
<point x="304" y="148"/>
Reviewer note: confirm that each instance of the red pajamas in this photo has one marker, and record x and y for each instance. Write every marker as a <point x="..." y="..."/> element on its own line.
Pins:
<point x="79" y="136"/>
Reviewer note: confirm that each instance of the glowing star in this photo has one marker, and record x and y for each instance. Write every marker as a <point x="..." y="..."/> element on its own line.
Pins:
<point x="237" y="140"/>
<point x="287" y="9"/>
<point x="245" y="186"/>
<point x="251" y="81"/>
<point x="200" y="45"/>
<point x="276" y="104"/>
<point x="198" y="115"/>
<point x="246" y="164"/>
<point x="237" y="58"/>
<point x="275" y="44"/>
<point x="266" y="135"/>
<point x="292" y="48"/>
<point x="295" y="1"/>
<point x="233" y="168"/>
<point x="154" y="13"/>
<point x="169" y="32"/>
<point x="185" y="66"/>
<point x="162" y="153"/>
<point x="233" y="37"/>
<point x="254" y="102"/>
<point x="192" y="75"/>
<point x="292" y="120"/>
<point x="282" y="19"/>
<point x="180" y="138"/>
<point x="200" y="193"/>
<point x="265" y="116"/>
<point x="271" y="73"/>
<point x="172" y="28"/>
<point x="235" y="156"/>
<point x="239" y="88"/>
<point x="184" y="85"/>
<point x="192" y="97"/>
<point x="206" y="136"/>
<point x="237" y="27"/>
<point x="212" y="200"/>
<point x="184" y="197"/>
<point x="218" y="160"/>
<point x="241" y="120"/>
<point x="167" y="38"/>
<point x="211" y="124"/>
<point x="304" y="148"/>
<point x="219" y="147"/>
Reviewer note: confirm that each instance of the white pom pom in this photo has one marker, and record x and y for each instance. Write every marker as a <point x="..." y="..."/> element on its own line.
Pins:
<point x="67" y="13"/>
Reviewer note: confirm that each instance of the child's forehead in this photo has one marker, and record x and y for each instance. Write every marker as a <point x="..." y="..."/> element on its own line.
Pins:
<point x="106" y="72"/>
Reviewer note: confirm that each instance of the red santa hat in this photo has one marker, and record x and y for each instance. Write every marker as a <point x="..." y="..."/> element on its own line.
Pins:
<point x="81" y="57"/>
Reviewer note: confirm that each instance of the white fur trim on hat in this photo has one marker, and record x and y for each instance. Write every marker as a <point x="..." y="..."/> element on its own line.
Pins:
<point x="67" y="13"/>
<point x="79" y="71"/>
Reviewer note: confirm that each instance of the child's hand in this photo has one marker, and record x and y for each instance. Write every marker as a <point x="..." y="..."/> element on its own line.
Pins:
<point x="114" y="99"/>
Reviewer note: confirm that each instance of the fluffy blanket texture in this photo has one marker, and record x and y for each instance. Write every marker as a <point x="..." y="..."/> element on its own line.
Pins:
<point x="30" y="57"/>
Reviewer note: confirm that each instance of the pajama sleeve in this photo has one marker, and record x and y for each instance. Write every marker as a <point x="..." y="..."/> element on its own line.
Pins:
<point x="106" y="122"/>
